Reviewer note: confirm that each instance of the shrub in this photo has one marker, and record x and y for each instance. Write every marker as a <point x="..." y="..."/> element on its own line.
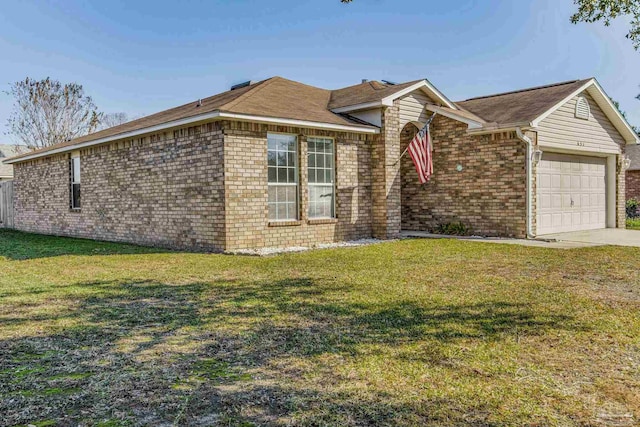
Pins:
<point x="453" y="229"/>
<point x="632" y="208"/>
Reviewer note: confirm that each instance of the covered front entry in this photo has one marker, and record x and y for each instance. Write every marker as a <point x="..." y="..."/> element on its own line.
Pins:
<point x="571" y="193"/>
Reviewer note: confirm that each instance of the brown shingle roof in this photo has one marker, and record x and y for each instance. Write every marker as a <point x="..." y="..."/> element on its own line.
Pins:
<point x="275" y="97"/>
<point x="365" y="92"/>
<point x="521" y="106"/>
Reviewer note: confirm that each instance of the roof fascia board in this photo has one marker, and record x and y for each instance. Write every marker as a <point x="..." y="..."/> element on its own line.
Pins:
<point x="424" y="84"/>
<point x="472" y="123"/>
<point x="214" y="115"/>
<point x="300" y="123"/>
<point x="568" y="98"/>
<point x="631" y="136"/>
<point x="506" y="128"/>
<point x="358" y="107"/>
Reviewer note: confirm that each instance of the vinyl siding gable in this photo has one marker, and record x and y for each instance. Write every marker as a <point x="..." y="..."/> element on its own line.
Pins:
<point x="563" y="130"/>
<point x="412" y="108"/>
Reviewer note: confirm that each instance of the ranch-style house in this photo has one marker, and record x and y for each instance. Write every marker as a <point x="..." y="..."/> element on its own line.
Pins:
<point x="278" y="163"/>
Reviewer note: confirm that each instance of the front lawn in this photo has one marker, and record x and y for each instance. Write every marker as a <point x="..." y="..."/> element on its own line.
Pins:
<point x="415" y="332"/>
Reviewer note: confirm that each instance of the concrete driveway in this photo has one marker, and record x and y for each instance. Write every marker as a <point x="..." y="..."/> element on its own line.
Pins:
<point x="606" y="236"/>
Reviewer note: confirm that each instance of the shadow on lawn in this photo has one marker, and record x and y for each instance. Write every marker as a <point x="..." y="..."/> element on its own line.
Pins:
<point x="218" y="354"/>
<point x="17" y="245"/>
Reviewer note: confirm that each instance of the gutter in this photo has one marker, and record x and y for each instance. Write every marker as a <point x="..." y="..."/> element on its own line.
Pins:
<point x="214" y="115"/>
<point x="522" y="137"/>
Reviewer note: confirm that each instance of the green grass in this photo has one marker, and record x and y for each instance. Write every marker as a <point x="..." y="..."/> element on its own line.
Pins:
<point x="415" y="332"/>
<point x="633" y="224"/>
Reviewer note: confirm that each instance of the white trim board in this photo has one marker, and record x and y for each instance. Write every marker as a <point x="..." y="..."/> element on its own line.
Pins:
<point x="612" y="113"/>
<point x="424" y="85"/>
<point x="215" y="115"/>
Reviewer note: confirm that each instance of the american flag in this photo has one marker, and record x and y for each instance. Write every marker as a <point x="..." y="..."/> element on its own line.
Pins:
<point x="420" y="150"/>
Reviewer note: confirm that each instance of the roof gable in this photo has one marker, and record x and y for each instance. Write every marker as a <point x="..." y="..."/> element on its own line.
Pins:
<point x="373" y="94"/>
<point x="521" y="106"/>
<point x="364" y="93"/>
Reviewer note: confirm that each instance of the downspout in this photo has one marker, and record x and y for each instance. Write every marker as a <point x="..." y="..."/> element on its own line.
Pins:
<point x="524" y="138"/>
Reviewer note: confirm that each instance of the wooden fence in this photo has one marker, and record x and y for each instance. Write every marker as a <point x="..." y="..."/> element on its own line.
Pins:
<point x="6" y="204"/>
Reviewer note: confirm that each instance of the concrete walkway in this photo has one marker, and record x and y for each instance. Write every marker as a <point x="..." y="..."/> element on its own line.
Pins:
<point x="576" y="239"/>
<point x="606" y="236"/>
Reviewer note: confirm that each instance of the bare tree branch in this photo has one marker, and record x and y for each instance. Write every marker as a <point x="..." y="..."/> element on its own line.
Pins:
<point x="46" y="112"/>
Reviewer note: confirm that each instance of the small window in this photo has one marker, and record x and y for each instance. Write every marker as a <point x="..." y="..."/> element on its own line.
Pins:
<point x="75" y="182"/>
<point x="583" y="111"/>
<point x="321" y="168"/>
<point x="282" y="161"/>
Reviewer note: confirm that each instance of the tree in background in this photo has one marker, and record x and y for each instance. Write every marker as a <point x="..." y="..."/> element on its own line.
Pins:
<point x="624" y="114"/>
<point x="608" y="10"/>
<point x="109" y="120"/>
<point x="46" y="112"/>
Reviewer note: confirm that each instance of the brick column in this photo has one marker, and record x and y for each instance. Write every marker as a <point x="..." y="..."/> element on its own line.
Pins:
<point x="386" y="177"/>
<point x="621" y="199"/>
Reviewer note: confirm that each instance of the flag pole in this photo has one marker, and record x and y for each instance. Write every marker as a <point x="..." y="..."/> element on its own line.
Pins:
<point x="407" y="149"/>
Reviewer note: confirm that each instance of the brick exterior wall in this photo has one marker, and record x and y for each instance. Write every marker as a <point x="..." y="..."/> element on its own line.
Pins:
<point x="488" y="195"/>
<point x="247" y="223"/>
<point x="164" y="190"/>
<point x="205" y="187"/>
<point x="632" y="184"/>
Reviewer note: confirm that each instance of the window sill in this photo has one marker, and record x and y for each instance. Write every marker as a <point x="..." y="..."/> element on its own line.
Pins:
<point x="284" y="223"/>
<point x="75" y="210"/>
<point x="318" y="221"/>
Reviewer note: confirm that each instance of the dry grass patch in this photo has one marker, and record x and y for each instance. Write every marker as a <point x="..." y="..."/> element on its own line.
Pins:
<point x="415" y="332"/>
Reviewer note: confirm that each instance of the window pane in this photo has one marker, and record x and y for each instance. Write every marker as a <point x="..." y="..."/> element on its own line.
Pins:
<point x="291" y="194"/>
<point x="271" y="158"/>
<point x="282" y="174"/>
<point x="76" y="169"/>
<point x="282" y="155"/>
<point x="75" y="203"/>
<point x="282" y="211"/>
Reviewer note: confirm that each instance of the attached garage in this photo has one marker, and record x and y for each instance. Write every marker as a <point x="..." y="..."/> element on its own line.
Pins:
<point x="571" y="193"/>
<point x="575" y="161"/>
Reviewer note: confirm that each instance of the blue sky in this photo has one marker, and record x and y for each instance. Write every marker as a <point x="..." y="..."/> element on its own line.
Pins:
<point x="145" y="56"/>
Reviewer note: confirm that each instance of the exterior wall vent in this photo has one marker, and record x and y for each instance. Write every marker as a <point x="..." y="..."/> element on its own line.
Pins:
<point x="583" y="111"/>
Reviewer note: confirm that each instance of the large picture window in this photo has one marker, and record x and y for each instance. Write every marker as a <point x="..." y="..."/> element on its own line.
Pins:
<point x="321" y="177"/>
<point x="282" y="160"/>
<point x="75" y="182"/>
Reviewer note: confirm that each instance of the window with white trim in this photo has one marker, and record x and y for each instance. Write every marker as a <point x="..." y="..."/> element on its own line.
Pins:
<point x="321" y="172"/>
<point x="282" y="161"/>
<point x="74" y="165"/>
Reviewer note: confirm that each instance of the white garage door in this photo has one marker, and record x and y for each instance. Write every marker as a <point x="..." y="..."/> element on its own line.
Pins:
<point x="571" y="193"/>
